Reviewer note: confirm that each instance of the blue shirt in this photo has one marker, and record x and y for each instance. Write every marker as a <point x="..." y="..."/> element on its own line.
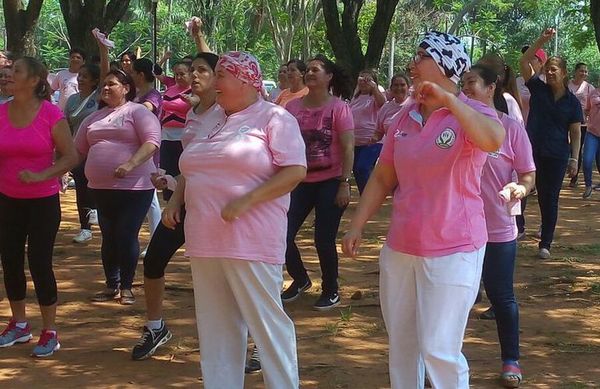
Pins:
<point x="548" y="121"/>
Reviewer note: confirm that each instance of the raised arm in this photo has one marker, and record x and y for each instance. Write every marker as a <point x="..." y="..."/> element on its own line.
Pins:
<point x="525" y="63"/>
<point x="198" y="35"/>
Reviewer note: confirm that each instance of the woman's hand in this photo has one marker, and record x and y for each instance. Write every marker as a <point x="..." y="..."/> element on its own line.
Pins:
<point x="171" y="215"/>
<point x="517" y="191"/>
<point x="547" y="34"/>
<point x="124" y="170"/>
<point x="572" y="168"/>
<point x="342" y="198"/>
<point x="196" y="26"/>
<point x="159" y="181"/>
<point x="430" y="94"/>
<point x="376" y="137"/>
<point x="351" y="242"/>
<point x="29" y="177"/>
<point x="236" y="208"/>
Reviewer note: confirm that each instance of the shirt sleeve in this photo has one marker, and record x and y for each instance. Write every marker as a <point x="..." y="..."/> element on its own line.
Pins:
<point x="284" y="139"/>
<point x="343" y="119"/>
<point x="535" y="85"/>
<point x="81" y="141"/>
<point x="53" y="113"/>
<point x="146" y="125"/>
<point x="523" y="162"/>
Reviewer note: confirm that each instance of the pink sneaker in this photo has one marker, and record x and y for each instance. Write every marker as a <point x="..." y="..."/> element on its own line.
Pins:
<point x="13" y="334"/>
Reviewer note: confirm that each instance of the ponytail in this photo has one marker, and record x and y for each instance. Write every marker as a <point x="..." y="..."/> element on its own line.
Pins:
<point x="341" y="82"/>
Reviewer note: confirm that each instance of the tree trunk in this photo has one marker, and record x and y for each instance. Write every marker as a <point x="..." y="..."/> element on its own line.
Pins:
<point x="459" y="18"/>
<point x="20" y="25"/>
<point x="344" y="39"/>
<point x="595" y="16"/>
<point x="81" y="17"/>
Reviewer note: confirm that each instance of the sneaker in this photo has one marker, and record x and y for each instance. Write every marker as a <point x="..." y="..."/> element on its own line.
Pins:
<point x="47" y="344"/>
<point x="150" y="341"/>
<point x="544" y="253"/>
<point x="597" y="187"/>
<point x="107" y="294"/>
<point x="13" y="334"/>
<point x="127" y="297"/>
<point x="253" y="363"/>
<point x="327" y="301"/>
<point x="488" y="314"/>
<point x="83" y="236"/>
<point x="92" y="216"/>
<point x="295" y="290"/>
<point x="71" y="183"/>
<point x="588" y="192"/>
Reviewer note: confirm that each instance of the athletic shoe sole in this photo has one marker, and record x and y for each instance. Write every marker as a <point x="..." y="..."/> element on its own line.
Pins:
<point x="22" y="339"/>
<point x="164" y="340"/>
<point x="47" y="354"/>
<point x="327" y="308"/>
<point x="301" y="290"/>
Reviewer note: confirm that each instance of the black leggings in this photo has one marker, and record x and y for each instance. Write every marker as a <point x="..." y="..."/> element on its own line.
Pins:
<point x="36" y="222"/>
<point x="163" y="245"/>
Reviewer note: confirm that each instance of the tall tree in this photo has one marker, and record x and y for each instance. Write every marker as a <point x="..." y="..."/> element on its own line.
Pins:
<point x="21" y="20"/>
<point x="81" y="16"/>
<point x="342" y="32"/>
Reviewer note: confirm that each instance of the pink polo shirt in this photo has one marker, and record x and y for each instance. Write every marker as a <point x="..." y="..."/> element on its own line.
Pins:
<point x="437" y="209"/>
<point x="594" y="107"/>
<point x="28" y="148"/>
<point x="387" y="114"/>
<point x="321" y="129"/>
<point x="236" y="155"/>
<point x="364" y="111"/>
<point x="582" y="92"/>
<point x="110" y="137"/>
<point x="514" y="156"/>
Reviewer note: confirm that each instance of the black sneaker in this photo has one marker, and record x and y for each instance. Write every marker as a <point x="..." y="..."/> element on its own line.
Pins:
<point x="488" y="314"/>
<point x="150" y="341"/>
<point x="295" y="290"/>
<point x="253" y="363"/>
<point x="327" y="301"/>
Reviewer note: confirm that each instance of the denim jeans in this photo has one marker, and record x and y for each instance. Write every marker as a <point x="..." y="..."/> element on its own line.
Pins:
<point x="83" y="196"/>
<point x="498" y="270"/>
<point x="591" y="152"/>
<point x="321" y="197"/>
<point x="120" y="216"/>
<point x="364" y="162"/>
<point x="550" y="173"/>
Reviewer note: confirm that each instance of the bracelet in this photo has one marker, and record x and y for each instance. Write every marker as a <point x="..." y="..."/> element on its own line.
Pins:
<point x="573" y="159"/>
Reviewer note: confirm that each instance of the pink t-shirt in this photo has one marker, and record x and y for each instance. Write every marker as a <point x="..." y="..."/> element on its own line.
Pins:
<point x="364" y="111"/>
<point x="200" y="123"/>
<point x="437" y="209"/>
<point x="66" y="84"/>
<point x="514" y="111"/>
<point x="173" y="113"/>
<point x="514" y="156"/>
<point x="239" y="153"/>
<point x="387" y="113"/>
<point x="594" y="107"/>
<point x="110" y="137"/>
<point x="321" y="129"/>
<point x="28" y="148"/>
<point x="582" y="92"/>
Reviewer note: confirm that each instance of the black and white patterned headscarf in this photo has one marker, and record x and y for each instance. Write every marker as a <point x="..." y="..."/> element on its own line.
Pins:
<point x="448" y="52"/>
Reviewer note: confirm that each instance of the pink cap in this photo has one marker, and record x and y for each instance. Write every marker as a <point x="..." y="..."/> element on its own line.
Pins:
<point x="541" y="55"/>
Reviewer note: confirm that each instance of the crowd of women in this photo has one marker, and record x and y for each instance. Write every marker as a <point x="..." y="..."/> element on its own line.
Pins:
<point x="241" y="174"/>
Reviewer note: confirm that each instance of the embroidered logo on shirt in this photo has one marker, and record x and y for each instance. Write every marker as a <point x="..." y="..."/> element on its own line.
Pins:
<point x="399" y="133"/>
<point x="494" y="154"/>
<point x="243" y="130"/>
<point x="446" y="139"/>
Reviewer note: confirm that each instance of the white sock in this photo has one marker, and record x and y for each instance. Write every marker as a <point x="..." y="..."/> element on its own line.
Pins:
<point x="21" y="324"/>
<point x="154" y="324"/>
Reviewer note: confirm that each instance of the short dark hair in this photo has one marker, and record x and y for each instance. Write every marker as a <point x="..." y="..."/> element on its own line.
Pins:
<point x="130" y="54"/>
<point x="76" y="50"/>
<point x="299" y="64"/>
<point x="94" y="71"/>
<point x="124" y="79"/>
<point x="579" y="65"/>
<point x="145" y="66"/>
<point x="210" y="58"/>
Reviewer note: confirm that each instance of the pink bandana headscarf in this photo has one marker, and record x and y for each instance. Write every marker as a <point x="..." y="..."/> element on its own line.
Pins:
<point x="243" y="66"/>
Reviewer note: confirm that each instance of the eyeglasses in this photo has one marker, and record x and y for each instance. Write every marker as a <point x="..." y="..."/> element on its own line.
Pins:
<point x="419" y="57"/>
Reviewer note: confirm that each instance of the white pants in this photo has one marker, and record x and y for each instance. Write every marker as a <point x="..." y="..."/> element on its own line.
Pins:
<point x="425" y="304"/>
<point x="154" y="214"/>
<point x="234" y="296"/>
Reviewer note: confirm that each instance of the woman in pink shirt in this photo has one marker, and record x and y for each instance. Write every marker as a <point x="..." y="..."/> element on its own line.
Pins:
<point x="591" y="148"/>
<point x="238" y="175"/>
<point x="365" y="105"/>
<point x="119" y="141"/>
<point x="296" y="69"/>
<point x="175" y="107"/>
<point x="511" y="171"/>
<point x="398" y="93"/>
<point x="32" y="130"/>
<point x="326" y="125"/>
<point x="432" y="161"/>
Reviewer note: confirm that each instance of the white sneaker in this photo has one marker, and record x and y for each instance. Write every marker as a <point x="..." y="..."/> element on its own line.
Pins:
<point x="83" y="236"/>
<point x="143" y="252"/>
<point x="544" y="253"/>
<point x="92" y="216"/>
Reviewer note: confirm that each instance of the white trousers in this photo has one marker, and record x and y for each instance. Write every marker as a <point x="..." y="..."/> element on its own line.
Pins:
<point x="425" y="304"/>
<point x="234" y="296"/>
<point x="154" y="214"/>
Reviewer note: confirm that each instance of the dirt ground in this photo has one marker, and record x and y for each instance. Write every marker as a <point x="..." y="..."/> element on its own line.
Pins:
<point x="344" y="348"/>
